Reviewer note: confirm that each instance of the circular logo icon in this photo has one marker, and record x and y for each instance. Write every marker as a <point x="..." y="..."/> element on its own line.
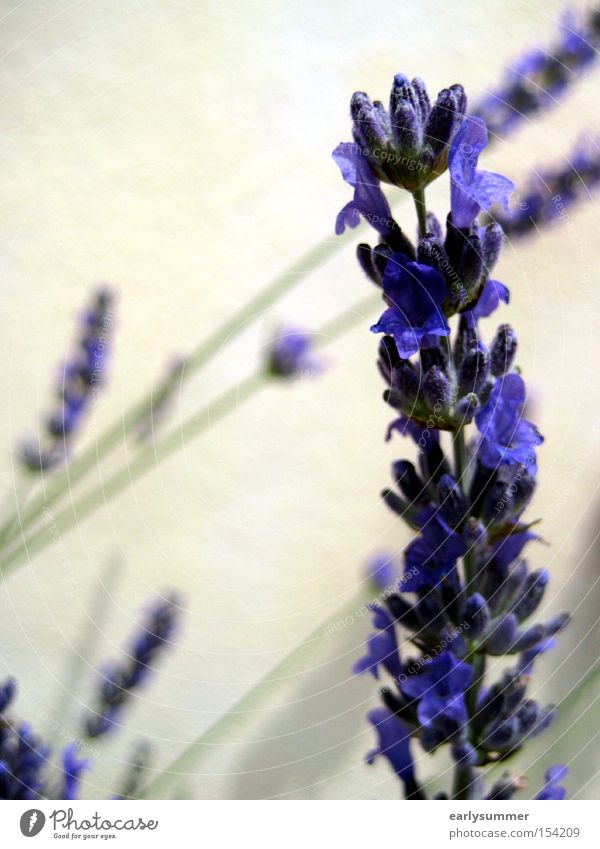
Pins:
<point x="32" y="822"/>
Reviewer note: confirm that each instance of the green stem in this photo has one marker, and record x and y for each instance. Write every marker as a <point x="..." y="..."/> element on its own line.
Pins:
<point x="460" y="466"/>
<point x="199" y="357"/>
<point x="181" y="767"/>
<point x="419" y="199"/>
<point x="150" y="456"/>
<point x="464" y="775"/>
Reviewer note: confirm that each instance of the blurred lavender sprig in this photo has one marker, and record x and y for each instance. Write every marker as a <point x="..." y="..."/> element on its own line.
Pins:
<point x="24" y="758"/>
<point x="121" y="679"/>
<point x="551" y="192"/>
<point x="539" y="77"/>
<point x="81" y="377"/>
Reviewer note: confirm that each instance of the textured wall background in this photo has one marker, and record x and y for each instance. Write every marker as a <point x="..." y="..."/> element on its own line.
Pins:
<point x="182" y="151"/>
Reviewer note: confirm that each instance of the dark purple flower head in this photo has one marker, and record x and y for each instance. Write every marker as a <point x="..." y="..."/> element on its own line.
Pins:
<point x="292" y="353"/>
<point x="415" y="293"/>
<point x="432" y="555"/>
<point x="552" y="790"/>
<point x="473" y="190"/>
<point x="368" y="201"/>
<point x="393" y="744"/>
<point x="407" y="146"/>
<point x="505" y="436"/>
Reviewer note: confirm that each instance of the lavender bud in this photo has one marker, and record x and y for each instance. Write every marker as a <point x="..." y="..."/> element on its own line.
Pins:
<point x="474" y="370"/>
<point x="471" y="261"/>
<point x="436" y="390"/>
<point x="423" y="102"/>
<point x="364" y="255"/>
<point x="556" y="624"/>
<point x="408" y="481"/>
<point x="433" y="463"/>
<point x="491" y="247"/>
<point x="502" y="636"/>
<point x="477" y="615"/>
<point x="434" y="356"/>
<point x="533" y="593"/>
<point x="453" y="504"/>
<point x="503" y="350"/>
<point x="440" y="124"/>
<point x="367" y="122"/>
<point x="406" y="129"/>
<point x="403" y="612"/>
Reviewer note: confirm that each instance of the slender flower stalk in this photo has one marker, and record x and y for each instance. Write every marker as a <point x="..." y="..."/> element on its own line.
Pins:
<point x="467" y="595"/>
<point x="540" y="77"/>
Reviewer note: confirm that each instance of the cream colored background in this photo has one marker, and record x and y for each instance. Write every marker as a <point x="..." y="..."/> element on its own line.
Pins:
<point x="181" y="150"/>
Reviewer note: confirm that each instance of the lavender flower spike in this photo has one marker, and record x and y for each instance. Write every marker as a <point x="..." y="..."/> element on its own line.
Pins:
<point x="80" y="379"/>
<point x="466" y="593"/>
<point x="121" y="679"/>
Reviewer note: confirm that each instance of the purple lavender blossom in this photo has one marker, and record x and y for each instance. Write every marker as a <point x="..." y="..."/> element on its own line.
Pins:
<point x="505" y="436"/>
<point x="369" y="201"/>
<point x="415" y="293"/>
<point x="473" y="190"/>
<point x="394" y="744"/>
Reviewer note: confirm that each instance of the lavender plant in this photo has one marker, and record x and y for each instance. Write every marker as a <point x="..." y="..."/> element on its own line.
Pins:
<point x="467" y="595"/>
